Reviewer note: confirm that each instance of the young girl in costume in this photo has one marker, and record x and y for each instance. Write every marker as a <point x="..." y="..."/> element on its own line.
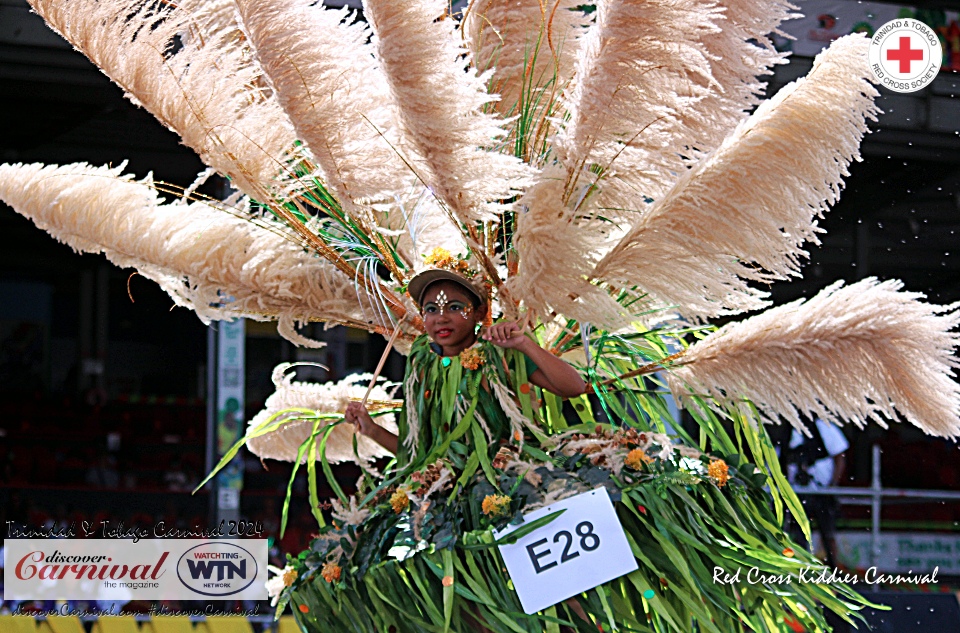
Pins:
<point x="481" y="443"/>
<point x="453" y="309"/>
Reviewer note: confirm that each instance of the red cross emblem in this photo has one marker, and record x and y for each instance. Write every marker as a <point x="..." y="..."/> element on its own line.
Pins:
<point x="905" y="54"/>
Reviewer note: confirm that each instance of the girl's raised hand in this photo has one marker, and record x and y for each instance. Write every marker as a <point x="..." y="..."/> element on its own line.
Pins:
<point x="357" y="414"/>
<point x="508" y="335"/>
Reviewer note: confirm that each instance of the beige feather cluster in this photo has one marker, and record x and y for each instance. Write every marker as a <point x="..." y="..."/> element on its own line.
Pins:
<point x="330" y="397"/>
<point x="744" y="212"/>
<point x="556" y="258"/>
<point x="645" y="104"/>
<point x="858" y="353"/>
<point x="329" y="84"/>
<point x="440" y="103"/>
<point x="528" y="45"/>
<point x="739" y="55"/>
<point x="215" y="263"/>
<point x="209" y="91"/>
<point x="640" y="69"/>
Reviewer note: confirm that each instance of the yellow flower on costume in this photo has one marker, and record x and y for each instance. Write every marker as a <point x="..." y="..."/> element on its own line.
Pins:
<point x="471" y="358"/>
<point x="636" y="459"/>
<point x="289" y="575"/>
<point x="495" y="505"/>
<point x="718" y="472"/>
<point x="331" y="572"/>
<point x="399" y="501"/>
<point x="439" y="257"/>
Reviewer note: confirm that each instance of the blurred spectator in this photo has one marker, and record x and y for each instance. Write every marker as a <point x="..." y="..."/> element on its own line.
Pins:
<point x="104" y="473"/>
<point x="176" y="478"/>
<point x="818" y="461"/>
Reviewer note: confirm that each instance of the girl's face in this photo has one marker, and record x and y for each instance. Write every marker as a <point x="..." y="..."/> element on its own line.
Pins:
<point x="449" y="317"/>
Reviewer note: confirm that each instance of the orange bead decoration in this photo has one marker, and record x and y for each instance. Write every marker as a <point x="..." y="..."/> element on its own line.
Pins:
<point x="525" y="388"/>
<point x="304" y="608"/>
<point x="788" y="552"/>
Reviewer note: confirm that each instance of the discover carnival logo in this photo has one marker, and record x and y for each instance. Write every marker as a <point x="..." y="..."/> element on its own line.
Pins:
<point x="56" y="566"/>
<point x="218" y="568"/>
<point x="124" y="569"/>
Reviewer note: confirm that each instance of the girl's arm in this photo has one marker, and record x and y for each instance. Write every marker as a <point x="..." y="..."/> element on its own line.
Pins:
<point x="552" y="374"/>
<point x="357" y="414"/>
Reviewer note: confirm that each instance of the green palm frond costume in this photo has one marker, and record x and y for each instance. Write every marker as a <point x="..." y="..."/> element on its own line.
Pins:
<point x="613" y="180"/>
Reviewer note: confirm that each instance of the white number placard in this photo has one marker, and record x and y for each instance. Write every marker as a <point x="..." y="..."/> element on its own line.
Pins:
<point x="580" y="549"/>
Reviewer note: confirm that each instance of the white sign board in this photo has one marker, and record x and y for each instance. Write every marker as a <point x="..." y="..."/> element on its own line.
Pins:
<point x="580" y="549"/>
<point x="900" y="552"/>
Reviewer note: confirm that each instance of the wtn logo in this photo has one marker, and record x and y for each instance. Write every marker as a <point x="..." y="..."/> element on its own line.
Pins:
<point x="224" y="568"/>
<point x="217" y="569"/>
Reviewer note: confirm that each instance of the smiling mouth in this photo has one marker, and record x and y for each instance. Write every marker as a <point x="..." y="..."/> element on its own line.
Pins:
<point x="443" y="332"/>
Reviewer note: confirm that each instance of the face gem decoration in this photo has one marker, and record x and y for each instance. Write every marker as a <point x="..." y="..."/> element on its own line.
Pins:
<point x="441" y="301"/>
<point x="466" y="312"/>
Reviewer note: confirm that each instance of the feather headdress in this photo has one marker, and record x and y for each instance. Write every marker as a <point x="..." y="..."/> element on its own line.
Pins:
<point x="596" y="168"/>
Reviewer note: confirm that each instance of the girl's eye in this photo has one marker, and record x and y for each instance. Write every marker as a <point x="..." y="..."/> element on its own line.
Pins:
<point x="430" y="309"/>
<point x="457" y="307"/>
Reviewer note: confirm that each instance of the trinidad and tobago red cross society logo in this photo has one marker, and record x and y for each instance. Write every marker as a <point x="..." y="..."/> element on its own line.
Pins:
<point x="905" y="55"/>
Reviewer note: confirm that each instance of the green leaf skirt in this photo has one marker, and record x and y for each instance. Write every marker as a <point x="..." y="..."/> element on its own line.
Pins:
<point x="703" y="529"/>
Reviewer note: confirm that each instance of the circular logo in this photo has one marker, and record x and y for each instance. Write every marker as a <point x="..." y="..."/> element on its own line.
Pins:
<point x="218" y="568"/>
<point x="905" y="55"/>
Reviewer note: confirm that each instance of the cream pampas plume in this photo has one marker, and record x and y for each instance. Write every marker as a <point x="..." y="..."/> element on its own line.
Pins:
<point x="193" y="73"/>
<point x="640" y="69"/>
<point x="284" y="443"/>
<point x="850" y="353"/>
<point x="744" y="212"/>
<point x="328" y="82"/>
<point x="528" y="45"/>
<point x="208" y="260"/>
<point x="739" y="55"/>
<point x="556" y="257"/>
<point x="440" y="104"/>
<point x="738" y="51"/>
